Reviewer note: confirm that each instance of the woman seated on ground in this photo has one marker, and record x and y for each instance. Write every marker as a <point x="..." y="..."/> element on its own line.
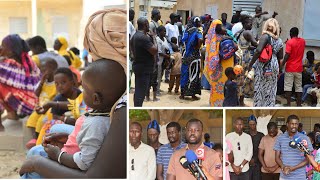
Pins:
<point x="19" y="76"/>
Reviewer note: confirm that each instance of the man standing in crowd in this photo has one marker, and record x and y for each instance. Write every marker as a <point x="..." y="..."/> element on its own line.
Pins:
<point x="258" y="20"/>
<point x="207" y="141"/>
<point x="291" y="161"/>
<point x="242" y="151"/>
<point x="255" y="165"/>
<point x="225" y="24"/>
<point x="153" y="132"/>
<point x="293" y="60"/>
<point x="172" y="29"/>
<point x="166" y="151"/>
<point x="211" y="162"/>
<point x="236" y="17"/>
<point x="155" y="17"/>
<point x="132" y="30"/>
<point x="270" y="169"/>
<point x="300" y="129"/>
<point x="141" y="156"/>
<point x="144" y="50"/>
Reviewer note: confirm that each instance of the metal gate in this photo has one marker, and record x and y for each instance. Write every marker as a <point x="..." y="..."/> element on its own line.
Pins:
<point x="247" y="5"/>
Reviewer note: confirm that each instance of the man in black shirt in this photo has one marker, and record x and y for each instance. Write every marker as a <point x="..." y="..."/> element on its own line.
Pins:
<point x="255" y="165"/>
<point x="144" y="50"/>
<point x="236" y="17"/>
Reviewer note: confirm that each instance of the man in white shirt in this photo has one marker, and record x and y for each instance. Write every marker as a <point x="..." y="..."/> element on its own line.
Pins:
<point x="172" y="30"/>
<point x="142" y="157"/>
<point x="242" y="151"/>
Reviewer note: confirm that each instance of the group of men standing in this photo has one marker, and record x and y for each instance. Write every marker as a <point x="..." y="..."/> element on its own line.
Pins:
<point x="254" y="156"/>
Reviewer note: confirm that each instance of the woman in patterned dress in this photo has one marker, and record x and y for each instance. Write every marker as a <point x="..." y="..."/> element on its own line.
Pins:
<point x="214" y="68"/>
<point x="266" y="74"/>
<point x="190" y="68"/>
<point x="19" y="76"/>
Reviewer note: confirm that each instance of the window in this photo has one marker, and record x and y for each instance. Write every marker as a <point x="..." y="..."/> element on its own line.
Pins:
<point x="18" y="25"/>
<point x="247" y="5"/>
<point x="310" y="24"/>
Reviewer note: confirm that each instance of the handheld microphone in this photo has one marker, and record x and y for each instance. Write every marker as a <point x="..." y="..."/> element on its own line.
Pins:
<point x="185" y="164"/>
<point x="298" y="143"/>
<point x="192" y="159"/>
<point x="200" y="155"/>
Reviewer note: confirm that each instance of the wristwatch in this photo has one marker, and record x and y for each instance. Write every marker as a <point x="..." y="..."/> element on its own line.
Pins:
<point x="241" y="166"/>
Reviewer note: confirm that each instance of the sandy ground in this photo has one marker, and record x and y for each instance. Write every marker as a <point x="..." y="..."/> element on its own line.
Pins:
<point x="172" y="100"/>
<point x="10" y="164"/>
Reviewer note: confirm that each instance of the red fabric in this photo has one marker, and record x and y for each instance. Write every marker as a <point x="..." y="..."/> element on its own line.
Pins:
<point x="77" y="72"/>
<point x="295" y="48"/>
<point x="71" y="146"/>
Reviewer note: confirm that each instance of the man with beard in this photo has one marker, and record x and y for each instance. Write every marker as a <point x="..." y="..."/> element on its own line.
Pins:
<point x="242" y="151"/>
<point x="141" y="156"/>
<point x="153" y="132"/>
<point x="291" y="161"/>
<point x="211" y="163"/>
<point x="166" y="151"/>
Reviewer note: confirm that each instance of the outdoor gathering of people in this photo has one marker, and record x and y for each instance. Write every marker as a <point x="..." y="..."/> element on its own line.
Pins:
<point x="193" y="58"/>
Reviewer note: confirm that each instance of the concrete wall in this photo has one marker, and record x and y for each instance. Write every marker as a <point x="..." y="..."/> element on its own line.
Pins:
<point x="14" y="9"/>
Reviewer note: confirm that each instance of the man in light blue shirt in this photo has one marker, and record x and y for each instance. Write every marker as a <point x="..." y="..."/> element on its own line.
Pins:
<point x="292" y="161"/>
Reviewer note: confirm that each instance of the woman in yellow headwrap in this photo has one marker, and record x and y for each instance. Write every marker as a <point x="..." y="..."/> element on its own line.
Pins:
<point x="214" y="67"/>
<point x="61" y="45"/>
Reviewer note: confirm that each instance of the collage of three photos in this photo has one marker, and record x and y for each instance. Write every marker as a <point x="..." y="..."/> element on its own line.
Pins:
<point x="159" y="89"/>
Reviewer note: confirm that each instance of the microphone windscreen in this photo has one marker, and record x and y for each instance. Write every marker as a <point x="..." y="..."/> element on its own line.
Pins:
<point x="292" y="144"/>
<point x="191" y="156"/>
<point x="296" y="139"/>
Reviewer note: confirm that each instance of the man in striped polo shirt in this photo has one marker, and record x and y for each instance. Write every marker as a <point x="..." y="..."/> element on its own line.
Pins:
<point x="166" y="150"/>
<point x="291" y="161"/>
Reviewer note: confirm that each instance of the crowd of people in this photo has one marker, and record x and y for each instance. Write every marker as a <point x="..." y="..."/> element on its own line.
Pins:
<point x="255" y="156"/>
<point x="196" y="56"/>
<point x="153" y="160"/>
<point x="69" y="112"/>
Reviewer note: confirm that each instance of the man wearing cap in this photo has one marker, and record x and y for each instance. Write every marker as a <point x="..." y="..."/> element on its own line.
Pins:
<point x="255" y="165"/>
<point x="165" y="152"/>
<point x="153" y="131"/>
<point x="207" y="141"/>
<point x="236" y="17"/>
<point x="242" y="151"/>
<point x="155" y="17"/>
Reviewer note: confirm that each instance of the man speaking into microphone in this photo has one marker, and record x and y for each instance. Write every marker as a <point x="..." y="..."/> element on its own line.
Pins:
<point x="291" y="161"/>
<point x="208" y="159"/>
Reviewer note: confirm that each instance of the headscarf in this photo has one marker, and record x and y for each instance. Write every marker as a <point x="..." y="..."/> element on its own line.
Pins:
<point x="20" y="49"/>
<point x="212" y="69"/>
<point x="75" y="60"/>
<point x="106" y="36"/>
<point x="252" y="118"/>
<point x="154" y="125"/>
<point x="271" y="27"/>
<point x="189" y="35"/>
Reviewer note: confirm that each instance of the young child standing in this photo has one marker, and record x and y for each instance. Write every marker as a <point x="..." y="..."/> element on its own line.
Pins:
<point x="176" y="70"/>
<point x="46" y="91"/>
<point x="230" y="89"/>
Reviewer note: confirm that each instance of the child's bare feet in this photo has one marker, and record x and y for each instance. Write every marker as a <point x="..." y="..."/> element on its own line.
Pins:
<point x="156" y="99"/>
<point x="195" y="98"/>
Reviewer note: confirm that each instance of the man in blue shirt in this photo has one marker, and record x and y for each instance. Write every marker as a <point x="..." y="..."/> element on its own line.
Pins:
<point x="292" y="161"/>
<point x="165" y="151"/>
<point x="207" y="141"/>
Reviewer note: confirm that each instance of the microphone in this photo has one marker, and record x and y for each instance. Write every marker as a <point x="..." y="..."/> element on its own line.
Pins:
<point x="192" y="159"/>
<point x="200" y="155"/>
<point x="298" y="143"/>
<point x="185" y="164"/>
